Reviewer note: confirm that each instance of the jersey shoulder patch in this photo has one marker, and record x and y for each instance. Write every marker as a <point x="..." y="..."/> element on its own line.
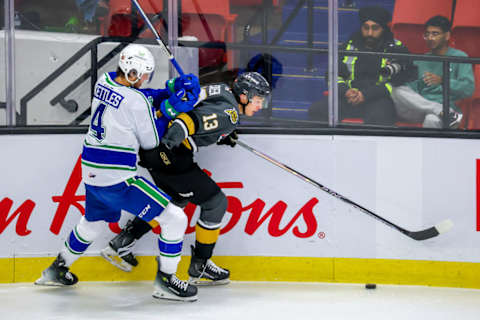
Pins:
<point x="232" y="114"/>
<point x="214" y="90"/>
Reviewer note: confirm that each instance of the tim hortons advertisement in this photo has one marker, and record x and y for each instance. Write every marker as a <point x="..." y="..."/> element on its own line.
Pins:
<point x="414" y="183"/>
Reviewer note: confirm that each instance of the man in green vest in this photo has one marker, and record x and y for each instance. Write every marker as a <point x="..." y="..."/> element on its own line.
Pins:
<point x="422" y="100"/>
<point x="365" y="83"/>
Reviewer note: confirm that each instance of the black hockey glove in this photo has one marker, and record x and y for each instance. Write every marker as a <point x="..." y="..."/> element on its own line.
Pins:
<point x="175" y="134"/>
<point x="230" y="140"/>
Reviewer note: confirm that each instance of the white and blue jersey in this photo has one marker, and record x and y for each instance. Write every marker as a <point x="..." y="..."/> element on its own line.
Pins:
<point x="123" y="120"/>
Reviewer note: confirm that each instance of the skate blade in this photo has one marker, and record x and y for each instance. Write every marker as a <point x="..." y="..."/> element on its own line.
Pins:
<point x="203" y="282"/>
<point x="164" y="295"/>
<point x="49" y="283"/>
<point x="111" y="256"/>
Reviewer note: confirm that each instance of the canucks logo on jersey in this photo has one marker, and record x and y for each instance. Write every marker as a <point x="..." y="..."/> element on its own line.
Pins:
<point x="232" y="113"/>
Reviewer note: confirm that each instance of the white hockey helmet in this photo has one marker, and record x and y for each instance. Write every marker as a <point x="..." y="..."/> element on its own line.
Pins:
<point x="137" y="58"/>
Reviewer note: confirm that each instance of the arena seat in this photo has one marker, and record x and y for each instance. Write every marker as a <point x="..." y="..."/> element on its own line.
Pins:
<point x="352" y="121"/>
<point x="219" y="28"/>
<point x="251" y="3"/>
<point x="119" y="22"/>
<point x="409" y="17"/>
<point x="195" y="13"/>
<point x="465" y="31"/>
<point x="471" y="106"/>
<point x="466" y="27"/>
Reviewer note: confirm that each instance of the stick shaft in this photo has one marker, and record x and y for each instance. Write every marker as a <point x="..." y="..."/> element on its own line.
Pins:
<point x="162" y="44"/>
<point x="322" y="187"/>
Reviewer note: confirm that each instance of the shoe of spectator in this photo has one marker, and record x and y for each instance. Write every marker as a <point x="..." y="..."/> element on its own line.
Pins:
<point x="454" y="118"/>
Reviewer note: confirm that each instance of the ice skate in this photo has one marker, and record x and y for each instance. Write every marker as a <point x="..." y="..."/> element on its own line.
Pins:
<point x="169" y="287"/>
<point x="119" y="251"/>
<point x="206" y="273"/>
<point x="57" y="275"/>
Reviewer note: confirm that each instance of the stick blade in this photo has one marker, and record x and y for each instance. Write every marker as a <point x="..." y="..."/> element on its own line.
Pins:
<point x="444" y="226"/>
<point x="432" y="232"/>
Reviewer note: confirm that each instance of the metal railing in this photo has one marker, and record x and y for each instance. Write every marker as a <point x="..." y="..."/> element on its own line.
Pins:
<point x="92" y="48"/>
<point x="95" y="65"/>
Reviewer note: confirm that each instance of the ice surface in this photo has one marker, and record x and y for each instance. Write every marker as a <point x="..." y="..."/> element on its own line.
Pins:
<point x="239" y="300"/>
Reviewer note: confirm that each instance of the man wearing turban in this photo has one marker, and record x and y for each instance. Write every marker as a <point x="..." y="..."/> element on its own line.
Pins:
<point x="364" y="83"/>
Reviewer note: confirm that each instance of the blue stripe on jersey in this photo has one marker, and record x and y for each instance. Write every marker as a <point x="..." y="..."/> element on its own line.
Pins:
<point x="169" y="248"/>
<point x="108" y="156"/>
<point x="75" y="244"/>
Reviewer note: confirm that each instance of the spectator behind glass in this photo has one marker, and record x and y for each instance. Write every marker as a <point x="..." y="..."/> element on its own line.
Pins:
<point x="89" y="12"/>
<point x="422" y="100"/>
<point x="364" y="90"/>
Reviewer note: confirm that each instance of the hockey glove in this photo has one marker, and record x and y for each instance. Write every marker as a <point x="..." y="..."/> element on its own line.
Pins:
<point x="188" y="82"/>
<point x="175" y="134"/>
<point x="230" y="140"/>
<point x="187" y="103"/>
<point x="177" y="103"/>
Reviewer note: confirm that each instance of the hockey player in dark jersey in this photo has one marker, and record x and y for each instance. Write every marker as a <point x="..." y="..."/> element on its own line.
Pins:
<point x="173" y="169"/>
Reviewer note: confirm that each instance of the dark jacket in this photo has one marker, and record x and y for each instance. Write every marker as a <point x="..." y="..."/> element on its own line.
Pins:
<point x="363" y="73"/>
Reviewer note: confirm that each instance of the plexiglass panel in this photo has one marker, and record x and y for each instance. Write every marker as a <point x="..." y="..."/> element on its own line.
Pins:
<point x="404" y="92"/>
<point x="249" y="28"/>
<point x="286" y="41"/>
<point x="3" y="97"/>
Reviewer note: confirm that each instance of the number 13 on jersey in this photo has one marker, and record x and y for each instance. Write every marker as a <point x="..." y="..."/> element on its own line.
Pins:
<point x="210" y="122"/>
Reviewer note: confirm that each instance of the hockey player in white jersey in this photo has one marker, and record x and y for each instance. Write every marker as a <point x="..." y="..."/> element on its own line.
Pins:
<point x="123" y="120"/>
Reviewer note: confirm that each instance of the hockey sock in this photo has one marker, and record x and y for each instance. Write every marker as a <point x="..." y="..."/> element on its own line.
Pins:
<point x="170" y="254"/>
<point x="173" y="222"/>
<point x="208" y="225"/>
<point x="206" y="237"/>
<point x="80" y="239"/>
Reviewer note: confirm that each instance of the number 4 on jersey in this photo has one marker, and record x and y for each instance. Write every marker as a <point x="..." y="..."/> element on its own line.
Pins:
<point x="96" y="128"/>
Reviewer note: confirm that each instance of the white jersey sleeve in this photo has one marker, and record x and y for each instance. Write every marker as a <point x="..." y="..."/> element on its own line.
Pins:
<point x="145" y="121"/>
<point x="122" y="121"/>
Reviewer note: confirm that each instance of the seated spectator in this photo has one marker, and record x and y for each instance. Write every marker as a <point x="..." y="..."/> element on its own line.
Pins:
<point x="422" y="100"/>
<point x="364" y="87"/>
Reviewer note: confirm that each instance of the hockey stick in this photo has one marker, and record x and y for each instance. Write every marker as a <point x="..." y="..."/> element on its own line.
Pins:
<point x="163" y="46"/>
<point x="428" y="233"/>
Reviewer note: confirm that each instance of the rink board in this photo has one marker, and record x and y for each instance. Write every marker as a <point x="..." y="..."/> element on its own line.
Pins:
<point x="297" y="269"/>
<point x="277" y="227"/>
